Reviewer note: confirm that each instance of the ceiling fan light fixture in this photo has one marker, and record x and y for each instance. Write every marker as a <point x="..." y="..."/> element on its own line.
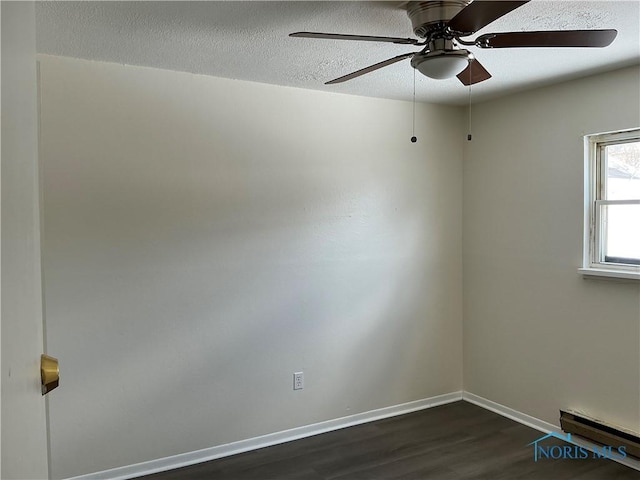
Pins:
<point x="442" y="64"/>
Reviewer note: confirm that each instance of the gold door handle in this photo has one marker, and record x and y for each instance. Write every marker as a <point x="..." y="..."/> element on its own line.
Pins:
<point x="49" y="373"/>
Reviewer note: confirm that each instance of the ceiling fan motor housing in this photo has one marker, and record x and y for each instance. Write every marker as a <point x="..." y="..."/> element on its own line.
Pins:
<point x="427" y="16"/>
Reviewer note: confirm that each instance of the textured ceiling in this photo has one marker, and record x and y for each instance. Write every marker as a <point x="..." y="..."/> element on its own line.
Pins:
<point x="249" y="41"/>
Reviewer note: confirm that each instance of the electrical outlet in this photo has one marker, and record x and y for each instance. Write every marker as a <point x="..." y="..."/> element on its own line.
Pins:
<point x="298" y="380"/>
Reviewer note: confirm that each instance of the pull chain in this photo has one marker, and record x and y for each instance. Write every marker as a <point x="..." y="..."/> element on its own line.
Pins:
<point x="469" y="117"/>
<point x="414" y="139"/>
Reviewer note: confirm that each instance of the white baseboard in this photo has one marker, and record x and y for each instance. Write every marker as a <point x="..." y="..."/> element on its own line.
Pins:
<point x="511" y="414"/>
<point x="537" y="424"/>
<point x="204" y="455"/>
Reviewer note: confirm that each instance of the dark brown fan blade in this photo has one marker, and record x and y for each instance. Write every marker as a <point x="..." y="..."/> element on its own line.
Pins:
<point x="474" y="73"/>
<point x="364" y="38"/>
<point x="480" y="13"/>
<point x="370" y="68"/>
<point x="550" y="38"/>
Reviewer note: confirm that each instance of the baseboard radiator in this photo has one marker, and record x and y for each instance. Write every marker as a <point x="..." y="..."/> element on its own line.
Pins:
<point x="598" y="431"/>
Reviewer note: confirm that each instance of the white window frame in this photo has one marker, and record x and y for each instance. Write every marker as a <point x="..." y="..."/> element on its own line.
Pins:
<point x="593" y="263"/>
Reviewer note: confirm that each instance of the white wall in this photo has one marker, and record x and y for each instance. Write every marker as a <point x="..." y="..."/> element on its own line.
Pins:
<point x="24" y="440"/>
<point x="537" y="336"/>
<point x="206" y="238"/>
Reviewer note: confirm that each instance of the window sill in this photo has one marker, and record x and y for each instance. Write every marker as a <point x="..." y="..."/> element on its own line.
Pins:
<point x="597" y="272"/>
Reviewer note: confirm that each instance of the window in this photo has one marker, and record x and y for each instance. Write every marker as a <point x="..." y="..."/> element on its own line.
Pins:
<point x="612" y="200"/>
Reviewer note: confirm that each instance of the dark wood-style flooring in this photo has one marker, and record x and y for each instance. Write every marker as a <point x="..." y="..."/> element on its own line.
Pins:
<point x="451" y="442"/>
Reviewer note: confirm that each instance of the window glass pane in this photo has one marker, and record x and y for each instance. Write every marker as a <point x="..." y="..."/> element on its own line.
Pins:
<point x="623" y="171"/>
<point x="621" y="233"/>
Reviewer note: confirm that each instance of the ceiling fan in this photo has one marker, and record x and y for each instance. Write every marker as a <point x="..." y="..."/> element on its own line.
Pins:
<point x="441" y="26"/>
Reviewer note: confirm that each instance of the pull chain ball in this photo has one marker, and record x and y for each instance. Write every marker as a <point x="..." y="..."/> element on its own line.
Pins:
<point x="414" y="139"/>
